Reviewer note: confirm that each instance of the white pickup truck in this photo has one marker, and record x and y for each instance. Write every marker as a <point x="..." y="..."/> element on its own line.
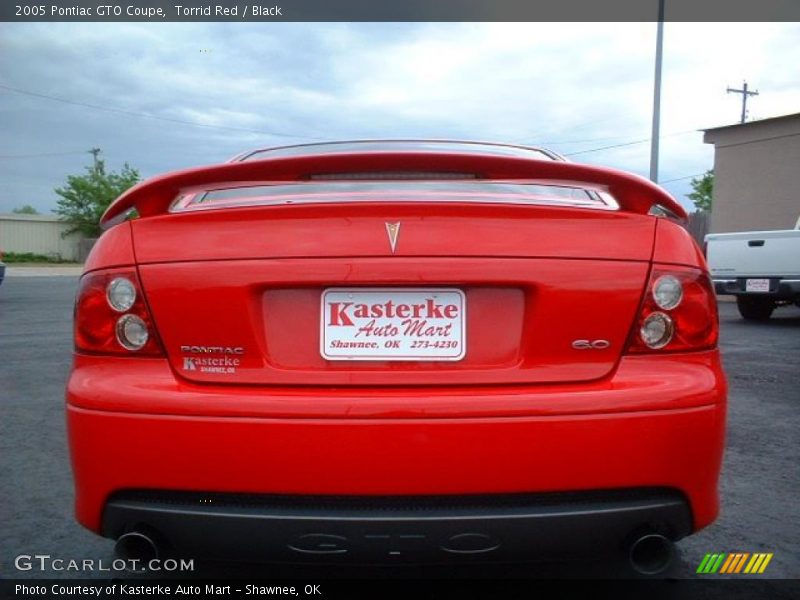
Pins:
<point x="760" y="268"/>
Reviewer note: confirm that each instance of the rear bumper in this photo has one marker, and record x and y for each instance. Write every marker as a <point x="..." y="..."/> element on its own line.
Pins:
<point x="778" y="287"/>
<point x="657" y="424"/>
<point x="416" y="529"/>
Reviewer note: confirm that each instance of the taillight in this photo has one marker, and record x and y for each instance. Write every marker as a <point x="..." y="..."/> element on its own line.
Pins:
<point x="111" y="316"/>
<point x="679" y="312"/>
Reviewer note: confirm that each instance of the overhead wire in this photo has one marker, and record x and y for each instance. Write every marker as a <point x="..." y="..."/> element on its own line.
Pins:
<point x="284" y="134"/>
<point x="132" y="113"/>
<point x="41" y="154"/>
<point x="642" y="141"/>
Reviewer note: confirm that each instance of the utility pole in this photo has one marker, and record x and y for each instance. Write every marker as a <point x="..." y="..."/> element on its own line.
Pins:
<point x="745" y="93"/>
<point x="95" y="152"/>
<point x="657" y="97"/>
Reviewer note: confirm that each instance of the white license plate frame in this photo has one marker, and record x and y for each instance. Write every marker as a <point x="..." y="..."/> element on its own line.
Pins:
<point x="390" y="336"/>
<point x="759" y="286"/>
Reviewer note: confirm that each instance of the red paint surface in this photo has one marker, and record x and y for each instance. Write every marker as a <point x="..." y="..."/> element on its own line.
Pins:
<point x="524" y="411"/>
<point x="679" y="448"/>
<point x="153" y="197"/>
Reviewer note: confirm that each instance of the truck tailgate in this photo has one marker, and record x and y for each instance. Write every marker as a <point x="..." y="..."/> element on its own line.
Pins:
<point x="754" y="254"/>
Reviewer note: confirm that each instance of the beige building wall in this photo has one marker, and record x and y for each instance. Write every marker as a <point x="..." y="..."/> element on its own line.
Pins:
<point x="40" y="234"/>
<point x="756" y="175"/>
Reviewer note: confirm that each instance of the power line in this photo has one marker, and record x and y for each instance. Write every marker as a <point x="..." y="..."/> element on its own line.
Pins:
<point x="642" y="141"/>
<point x="263" y="132"/>
<point x="607" y="147"/>
<point x="131" y="113"/>
<point x="4" y="156"/>
<point x="538" y="136"/>
<point x="602" y="139"/>
<point x="681" y="178"/>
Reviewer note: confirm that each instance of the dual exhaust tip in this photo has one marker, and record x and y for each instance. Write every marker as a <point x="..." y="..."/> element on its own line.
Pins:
<point x="649" y="554"/>
<point x="139" y="546"/>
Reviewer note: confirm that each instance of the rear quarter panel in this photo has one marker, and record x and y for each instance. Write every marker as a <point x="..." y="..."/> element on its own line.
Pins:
<point x="113" y="249"/>
<point x="675" y="245"/>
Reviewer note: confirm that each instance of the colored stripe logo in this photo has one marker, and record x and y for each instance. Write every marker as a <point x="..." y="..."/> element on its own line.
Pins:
<point x="734" y="562"/>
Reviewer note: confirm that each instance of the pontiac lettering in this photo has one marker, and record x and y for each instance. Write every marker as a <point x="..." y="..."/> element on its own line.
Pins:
<point x="212" y="349"/>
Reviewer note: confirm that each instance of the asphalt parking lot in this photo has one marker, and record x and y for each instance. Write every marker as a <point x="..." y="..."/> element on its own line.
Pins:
<point x="760" y="479"/>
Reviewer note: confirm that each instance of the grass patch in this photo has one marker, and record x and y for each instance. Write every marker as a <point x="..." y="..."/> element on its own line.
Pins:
<point x="30" y="257"/>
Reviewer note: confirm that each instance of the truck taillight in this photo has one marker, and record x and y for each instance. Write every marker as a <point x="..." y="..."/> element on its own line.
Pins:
<point x="111" y="316"/>
<point x="678" y="314"/>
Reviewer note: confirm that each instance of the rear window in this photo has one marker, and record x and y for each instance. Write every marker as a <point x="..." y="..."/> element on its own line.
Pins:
<point x="326" y="192"/>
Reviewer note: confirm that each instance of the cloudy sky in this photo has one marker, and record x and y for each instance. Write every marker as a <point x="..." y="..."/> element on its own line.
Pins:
<point x="173" y="95"/>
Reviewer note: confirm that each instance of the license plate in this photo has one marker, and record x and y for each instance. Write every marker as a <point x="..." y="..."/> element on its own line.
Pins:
<point x="756" y="285"/>
<point x="393" y="324"/>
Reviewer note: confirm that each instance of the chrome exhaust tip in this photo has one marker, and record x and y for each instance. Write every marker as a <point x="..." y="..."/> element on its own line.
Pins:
<point x="138" y="546"/>
<point x="651" y="554"/>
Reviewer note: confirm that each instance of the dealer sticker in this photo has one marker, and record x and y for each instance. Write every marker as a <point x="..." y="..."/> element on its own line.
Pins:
<point x="393" y="324"/>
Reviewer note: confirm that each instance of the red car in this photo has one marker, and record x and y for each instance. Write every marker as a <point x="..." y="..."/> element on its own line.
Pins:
<point x="396" y="352"/>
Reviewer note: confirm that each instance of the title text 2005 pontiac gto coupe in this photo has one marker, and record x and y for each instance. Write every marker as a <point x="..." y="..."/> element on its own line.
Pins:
<point x="399" y="351"/>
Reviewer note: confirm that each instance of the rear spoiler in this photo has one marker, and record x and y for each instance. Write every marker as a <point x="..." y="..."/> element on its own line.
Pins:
<point x="155" y="196"/>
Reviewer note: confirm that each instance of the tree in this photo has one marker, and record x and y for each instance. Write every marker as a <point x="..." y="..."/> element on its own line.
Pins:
<point x="84" y="198"/>
<point x="703" y="191"/>
<point x="27" y="209"/>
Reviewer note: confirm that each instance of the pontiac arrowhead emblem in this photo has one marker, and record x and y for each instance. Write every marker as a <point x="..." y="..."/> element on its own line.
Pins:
<point x="393" y="230"/>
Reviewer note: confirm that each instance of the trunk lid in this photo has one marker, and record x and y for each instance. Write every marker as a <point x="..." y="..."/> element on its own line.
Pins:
<point x="237" y="294"/>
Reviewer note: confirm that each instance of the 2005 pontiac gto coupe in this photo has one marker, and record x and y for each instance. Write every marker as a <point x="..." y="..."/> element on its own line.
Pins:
<point x="396" y="351"/>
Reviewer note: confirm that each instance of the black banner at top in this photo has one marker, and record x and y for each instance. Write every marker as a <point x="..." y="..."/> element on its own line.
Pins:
<point x="398" y="10"/>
